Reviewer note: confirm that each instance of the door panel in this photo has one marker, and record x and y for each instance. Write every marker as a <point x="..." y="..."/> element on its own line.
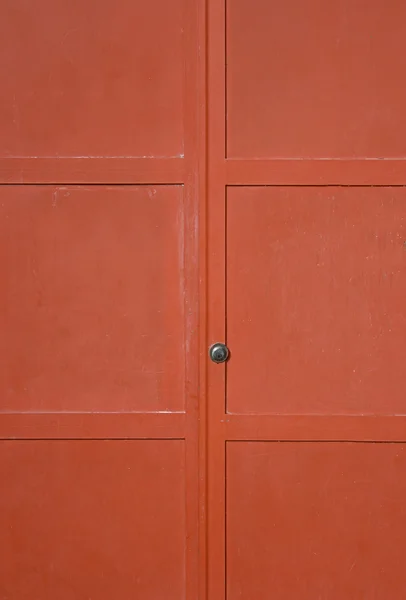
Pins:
<point x="85" y="519"/>
<point x="306" y="285"/>
<point x="101" y="171"/>
<point x="91" y="79"/>
<point x="92" y="313"/>
<point x="311" y="79"/>
<point x="316" y="281"/>
<point x="315" y="520"/>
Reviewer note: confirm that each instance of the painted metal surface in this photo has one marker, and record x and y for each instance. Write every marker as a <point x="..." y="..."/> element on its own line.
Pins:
<point x="315" y="520"/>
<point x="306" y="286"/>
<point x="99" y="411"/>
<point x="175" y="175"/>
<point x="317" y="80"/>
<point x="93" y="280"/>
<point x="325" y="270"/>
<point x="91" y="79"/>
<point x="85" y="518"/>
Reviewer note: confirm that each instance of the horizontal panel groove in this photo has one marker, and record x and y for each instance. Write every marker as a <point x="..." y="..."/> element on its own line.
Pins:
<point x="294" y="441"/>
<point x="367" y="172"/>
<point x="97" y="170"/>
<point x="315" y="428"/>
<point x="92" y="425"/>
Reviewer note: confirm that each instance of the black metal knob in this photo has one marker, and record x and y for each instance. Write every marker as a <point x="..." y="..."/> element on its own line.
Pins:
<point x="218" y="353"/>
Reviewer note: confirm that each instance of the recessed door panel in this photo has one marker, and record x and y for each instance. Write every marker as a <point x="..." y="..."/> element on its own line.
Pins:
<point x="91" y="79"/>
<point x="315" y="80"/>
<point x="315" y="520"/>
<point x="316" y="282"/>
<point x="86" y="519"/>
<point x="92" y="312"/>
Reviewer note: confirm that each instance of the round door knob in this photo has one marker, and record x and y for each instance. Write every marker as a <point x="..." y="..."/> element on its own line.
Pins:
<point x="218" y="353"/>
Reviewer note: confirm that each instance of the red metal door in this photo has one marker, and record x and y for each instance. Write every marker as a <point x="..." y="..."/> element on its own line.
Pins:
<point x="307" y="284"/>
<point x="119" y="266"/>
<point x="99" y="161"/>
